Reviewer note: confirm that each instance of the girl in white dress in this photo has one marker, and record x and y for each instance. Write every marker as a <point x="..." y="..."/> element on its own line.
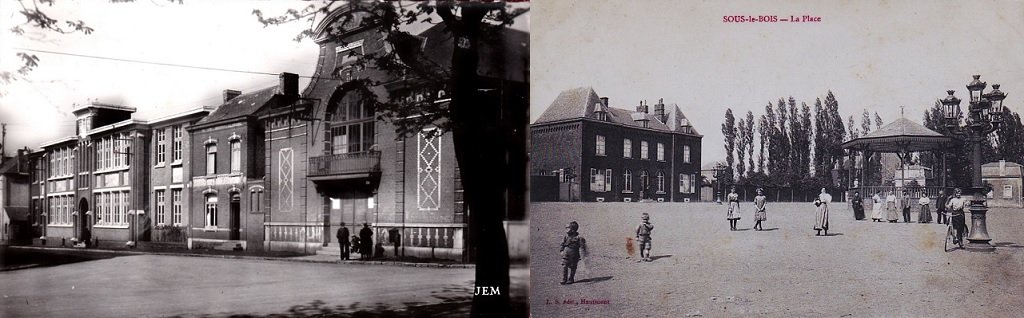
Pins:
<point x="734" y="209"/>
<point x="821" y="217"/>
<point x="876" y="207"/>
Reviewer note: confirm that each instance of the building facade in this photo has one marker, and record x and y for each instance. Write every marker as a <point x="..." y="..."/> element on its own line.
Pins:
<point x="15" y="215"/>
<point x="1006" y="179"/>
<point x="330" y="159"/>
<point x="228" y="205"/>
<point x="170" y="176"/>
<point x="608" y="154"/>
<point x="93" y="184"/>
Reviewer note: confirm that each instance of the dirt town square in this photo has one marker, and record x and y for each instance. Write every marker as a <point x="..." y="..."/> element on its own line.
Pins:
<point x="701" y="268"/>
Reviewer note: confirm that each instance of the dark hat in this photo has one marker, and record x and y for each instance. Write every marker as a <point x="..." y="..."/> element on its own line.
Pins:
<point x="573" y="226"/>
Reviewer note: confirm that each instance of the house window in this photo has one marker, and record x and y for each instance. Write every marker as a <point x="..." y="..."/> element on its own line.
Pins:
<point x="351" y="125"/>
<point x="661" y="152"/>
<point x="627" y="148"/>
<point x="211" y="159"/>
<point x="176" y="206"/>
<point x="627" y="181"/>
<point x="599" y="146"/>
<point x="645" y="181"/>
<point x="255" y="200"/>
<point x="1007" y="191"/>
<point x="236" y="156"/>
<point x="161" y="211"/>
<point x="686" y="154"/>
<point x="607" y="180"/>
<point x="684" y="183"/>
<point x="643" y="150"/>
<point x="161" y="146"/>
<point x="211" y="210"/>
<point x="661" y="182"/>
<point x="597" y="180"/>
<point x="176" y="146"/>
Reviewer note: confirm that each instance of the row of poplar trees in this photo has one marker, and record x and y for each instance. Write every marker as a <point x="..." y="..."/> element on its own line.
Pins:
<point x="789" y="145"/>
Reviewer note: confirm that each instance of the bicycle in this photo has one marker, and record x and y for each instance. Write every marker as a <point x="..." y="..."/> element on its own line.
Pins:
<point x="951" y="234"/>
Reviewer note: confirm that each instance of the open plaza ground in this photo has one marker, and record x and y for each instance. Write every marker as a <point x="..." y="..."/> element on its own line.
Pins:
<point x="701" y="269"/>
<point x="38" y="283"/>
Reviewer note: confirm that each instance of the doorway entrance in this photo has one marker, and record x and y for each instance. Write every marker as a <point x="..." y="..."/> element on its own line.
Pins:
<point x="235" y="216"/>
<point x="85" y="222"/>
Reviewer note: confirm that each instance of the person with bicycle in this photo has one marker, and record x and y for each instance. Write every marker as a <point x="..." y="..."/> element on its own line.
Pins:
<point x="956" y="206"/>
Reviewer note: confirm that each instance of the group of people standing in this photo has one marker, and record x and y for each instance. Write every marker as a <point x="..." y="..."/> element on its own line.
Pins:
<point x="760" y="212"/>
<point x="362" y="244"/>
<point x="894" y="206"/>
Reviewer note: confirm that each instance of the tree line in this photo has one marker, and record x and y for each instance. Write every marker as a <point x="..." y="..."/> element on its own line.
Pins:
<point x="796" y="146"/>
<point x="790" y="146"/>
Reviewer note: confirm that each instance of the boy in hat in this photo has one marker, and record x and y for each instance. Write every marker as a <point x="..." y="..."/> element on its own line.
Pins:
<point x="643" y="236"/>
<point x="572" y="245"/>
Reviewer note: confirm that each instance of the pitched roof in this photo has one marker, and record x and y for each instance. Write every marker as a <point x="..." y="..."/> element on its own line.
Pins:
<point x="581" y="102"/>
<point x="571" y="103"/>
<point x="10" y="165"/>
<point x="676" y="119"/>
<point x="243" y="105"/>
<point x="901" y="135"/>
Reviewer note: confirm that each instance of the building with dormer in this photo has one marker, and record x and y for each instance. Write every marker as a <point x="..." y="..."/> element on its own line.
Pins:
<point x="608" y="154"/>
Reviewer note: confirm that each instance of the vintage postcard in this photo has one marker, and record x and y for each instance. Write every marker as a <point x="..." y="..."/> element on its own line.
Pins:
<point x="776" y="158"/>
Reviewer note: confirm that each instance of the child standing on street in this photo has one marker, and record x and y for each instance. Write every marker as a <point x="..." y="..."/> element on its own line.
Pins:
<point x="643" y="236"/>
<point x="572" y="246"/>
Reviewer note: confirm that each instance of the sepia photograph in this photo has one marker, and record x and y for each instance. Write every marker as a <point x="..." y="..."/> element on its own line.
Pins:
<point x="177" y="158"/>
<point x="776" y="158"/>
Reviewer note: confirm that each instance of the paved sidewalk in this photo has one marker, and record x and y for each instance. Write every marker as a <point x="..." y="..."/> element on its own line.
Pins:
<point x="314" y="258"/>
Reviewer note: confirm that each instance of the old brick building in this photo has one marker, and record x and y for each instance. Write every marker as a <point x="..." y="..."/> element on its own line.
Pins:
<point x="94" y="184"/>
<point x="331" y="160"/>
<point x="603" y="153"/>
<point x="170" y="176"/>
<point x="228" y="203"/>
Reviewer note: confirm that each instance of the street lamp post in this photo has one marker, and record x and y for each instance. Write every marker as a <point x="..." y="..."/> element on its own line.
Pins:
<point x="719" y="173"/>
<point x="984" y="116"/>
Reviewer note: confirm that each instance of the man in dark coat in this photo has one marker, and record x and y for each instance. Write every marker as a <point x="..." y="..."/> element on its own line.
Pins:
<point x="858" y="206"/>
<point x="343" y="241"/>
<point x="940" y="208"/>
<point x="366" y="241"/>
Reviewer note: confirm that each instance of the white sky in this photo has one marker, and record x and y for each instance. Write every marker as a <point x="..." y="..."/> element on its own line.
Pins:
<point x="874" y="55"/>
<point x="222" y="34"/>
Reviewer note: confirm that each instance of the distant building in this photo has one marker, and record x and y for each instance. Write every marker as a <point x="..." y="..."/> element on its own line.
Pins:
<point x="15" y="216"/>
<point x="913" y="175"/>
<point x="613" y="154"/>
<point x="1006" y="179"/>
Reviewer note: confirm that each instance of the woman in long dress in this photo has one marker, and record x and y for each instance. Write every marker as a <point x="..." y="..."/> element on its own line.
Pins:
<point x="760" y="215"/>
<point x="858" y="206"/>
<point x="821" y="217"/>
<point x="734" y="209"/>
<point x="890" y="208"/>
<point x="876" y="207"/>
<point x="925" y="215"/>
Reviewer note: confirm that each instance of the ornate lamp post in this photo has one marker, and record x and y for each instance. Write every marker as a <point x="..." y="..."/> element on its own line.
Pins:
<point x="984" y="117"/>
<point x="719" y="173"/>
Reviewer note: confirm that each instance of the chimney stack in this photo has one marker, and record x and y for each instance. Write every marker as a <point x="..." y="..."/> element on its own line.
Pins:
<point x="659" y="110"/>
<point x="642" y="108"/>
<point x="230" y="94"/>
<point x="604" y="101"/>
<point x="289" y="84"/>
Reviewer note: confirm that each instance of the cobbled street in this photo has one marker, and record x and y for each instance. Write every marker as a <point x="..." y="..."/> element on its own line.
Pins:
<point x="701" y="269"/>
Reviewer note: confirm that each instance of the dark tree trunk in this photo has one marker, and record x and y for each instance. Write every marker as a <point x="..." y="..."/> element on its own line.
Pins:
<point x="480" y="149"/>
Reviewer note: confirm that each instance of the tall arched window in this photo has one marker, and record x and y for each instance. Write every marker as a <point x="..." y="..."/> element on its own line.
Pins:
<point x="661" y="181"/>
<point x="211" y="210"/>
<point x="351" y="124"/>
